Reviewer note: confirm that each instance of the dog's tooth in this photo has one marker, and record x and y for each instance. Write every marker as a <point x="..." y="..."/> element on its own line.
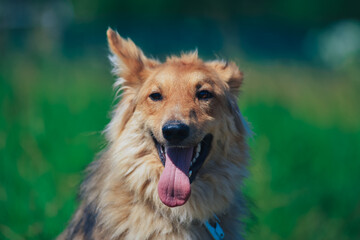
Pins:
<point x="197" y="155"/>
<point x="198" y="149"/>
<point x="191" y="163"/>
<point x="190" y="173"/>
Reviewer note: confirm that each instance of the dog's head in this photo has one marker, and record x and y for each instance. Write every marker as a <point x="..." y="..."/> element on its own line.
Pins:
<point x="187" y="106"/>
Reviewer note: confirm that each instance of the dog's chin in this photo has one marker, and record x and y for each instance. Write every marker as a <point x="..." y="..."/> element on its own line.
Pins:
<point x="199" y="155"/>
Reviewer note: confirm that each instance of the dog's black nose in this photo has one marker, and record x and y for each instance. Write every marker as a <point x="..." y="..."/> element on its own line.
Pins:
<point x="175" y="131"/>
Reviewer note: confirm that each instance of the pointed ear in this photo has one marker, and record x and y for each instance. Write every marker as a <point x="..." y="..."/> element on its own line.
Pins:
<point x="229" y="73"/>
<point x="129" y="61"/>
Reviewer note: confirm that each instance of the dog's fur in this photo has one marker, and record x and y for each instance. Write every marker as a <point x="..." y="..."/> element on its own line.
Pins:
<point x="119" y="197"/>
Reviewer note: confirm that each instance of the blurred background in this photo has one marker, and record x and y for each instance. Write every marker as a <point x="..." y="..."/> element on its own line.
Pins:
<point x="301" y="60"/>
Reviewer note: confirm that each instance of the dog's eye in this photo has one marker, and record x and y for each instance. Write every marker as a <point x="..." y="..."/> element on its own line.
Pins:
<point x="204" y="95"/>
<point x="156" y="96"/>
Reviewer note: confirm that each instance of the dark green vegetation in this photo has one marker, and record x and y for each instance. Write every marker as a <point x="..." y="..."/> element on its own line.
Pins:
<point x="305" y="167"/>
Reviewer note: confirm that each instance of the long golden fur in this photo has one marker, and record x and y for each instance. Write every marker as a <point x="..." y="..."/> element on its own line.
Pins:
<point x="120" y="196"/>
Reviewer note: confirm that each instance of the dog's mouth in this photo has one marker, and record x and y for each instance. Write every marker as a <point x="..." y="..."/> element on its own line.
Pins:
<point x="181" y="166"/>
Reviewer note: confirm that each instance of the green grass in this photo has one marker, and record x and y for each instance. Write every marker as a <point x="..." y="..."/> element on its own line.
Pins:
<point x="306" y="156"/>
<point x="53" y="112"/>
<point x="305" y="151"/>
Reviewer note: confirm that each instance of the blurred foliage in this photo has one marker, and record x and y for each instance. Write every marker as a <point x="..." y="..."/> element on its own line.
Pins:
<point x="303" y="12"/>
<point x="305" y="152"/>
<point x="56" y="95"/>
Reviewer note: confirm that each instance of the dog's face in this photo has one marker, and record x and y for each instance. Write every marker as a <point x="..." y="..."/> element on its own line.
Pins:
<point x="182" y="101"/>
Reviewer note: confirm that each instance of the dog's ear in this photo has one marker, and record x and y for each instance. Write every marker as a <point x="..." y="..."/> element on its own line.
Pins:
<point x="229" y="73"/>
<point x="129" y="61"/>
<point x="233" y="77"/>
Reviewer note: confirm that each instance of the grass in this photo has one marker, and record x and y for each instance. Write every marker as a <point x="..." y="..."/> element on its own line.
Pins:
<point x="305" y="152"/>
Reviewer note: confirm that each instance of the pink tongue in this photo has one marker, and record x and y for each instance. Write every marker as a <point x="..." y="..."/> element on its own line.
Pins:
<point x="174" y="184"/>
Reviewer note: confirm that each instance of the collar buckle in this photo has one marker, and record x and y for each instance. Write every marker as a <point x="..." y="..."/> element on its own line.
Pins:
<point x="214" y="228"/>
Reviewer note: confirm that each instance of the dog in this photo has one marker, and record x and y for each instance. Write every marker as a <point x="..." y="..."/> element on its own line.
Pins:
<point x="176" y="155"/>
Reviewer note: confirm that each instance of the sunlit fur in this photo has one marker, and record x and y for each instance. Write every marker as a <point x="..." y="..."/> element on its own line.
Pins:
<point x="119" y="198"/>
